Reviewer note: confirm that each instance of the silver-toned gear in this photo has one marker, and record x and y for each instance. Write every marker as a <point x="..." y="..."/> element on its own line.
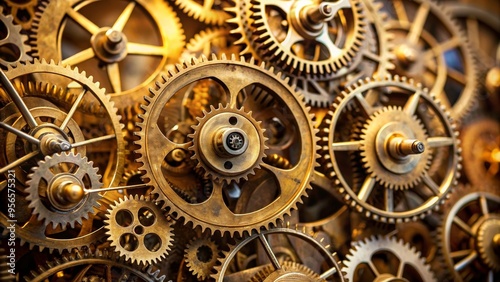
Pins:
<point x="431" y="48"/>
<point x="235" y="78"/>
<point x="139" y="230"/>
<point x="201" y="255"/>
<point x="469" y="234"/>
<point x="12" y="42"/>
<point x="57" y="189"/>
<point x="297" y="35"/>
<point x="385" y="259"/>
<point x="392" y="149"/>
<point x="312" y="261"/>
<point x="206" y="11"/>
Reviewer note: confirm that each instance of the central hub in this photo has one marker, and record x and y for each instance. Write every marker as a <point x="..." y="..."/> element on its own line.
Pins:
<point x="109" y="45"/>
<point x="309" y="20"/>
<point x="52" y="139"/>
<point x="65" y="192"/>
<point x="230" y="142"/>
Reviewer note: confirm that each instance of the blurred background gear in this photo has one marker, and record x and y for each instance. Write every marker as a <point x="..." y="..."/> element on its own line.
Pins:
<point x="179" y="140"/>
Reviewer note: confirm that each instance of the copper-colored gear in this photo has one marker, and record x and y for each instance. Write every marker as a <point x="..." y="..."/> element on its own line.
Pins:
<point x="201" y="255"/>
<point x="139" y="230"/>
<point x="381" y="147"/>
<point x="214" y="213"/>
<point x="57" y="189"/>
<point x="206" y="11"/>
<point x="289" y="30"/>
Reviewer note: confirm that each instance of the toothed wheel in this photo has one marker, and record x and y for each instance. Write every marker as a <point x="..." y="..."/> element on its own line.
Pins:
<point x="139" y="230"/>
<point x="394" y="148"/>
<point x="228" y="144"/>
<point x="57" y="189"/>
<point x="312" y="261"/>
<point x="469" y="235"/>
<point x="206" y="11"/>
<point x="385" y="259"/>
<point x="229" y="162"/>
<point x="13" y="43"/>
<point x="306" y="37"/>
<point x="201" y="255"/>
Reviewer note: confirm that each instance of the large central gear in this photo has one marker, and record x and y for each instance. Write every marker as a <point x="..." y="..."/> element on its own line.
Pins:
<point x="239" y="128"/>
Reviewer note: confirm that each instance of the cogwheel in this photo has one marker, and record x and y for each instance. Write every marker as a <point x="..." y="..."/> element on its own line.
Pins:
<point x="424" y="36"/>
<point x="13" y="43"/>
<point x="368" y="261"/>
<point x="290" y="271"/>
<point x="206" y="11"/>
<point x="233" y="130"/>
<point x="237" y="78"/>
<point x="240" y="23"/>
<point x="395" y="170"/>
<point x="22" y="11"/>
<point x="125" y="59"/>
<point x="314" y="262"/>
<point x="85" y="266"/>
<point x="57" y="189"/>
<point x="297" y="35"/>
<point x="201" y="255"/>
<point x="393" y="145"/>
<point x="468" y="234"/>
<point x="211" y="40"/>
<point x="139" y="230"/>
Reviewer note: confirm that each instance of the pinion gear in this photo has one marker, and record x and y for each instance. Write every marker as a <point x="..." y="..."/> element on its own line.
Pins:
<point x="200" y="255"/>
<point x="13" y="43"/>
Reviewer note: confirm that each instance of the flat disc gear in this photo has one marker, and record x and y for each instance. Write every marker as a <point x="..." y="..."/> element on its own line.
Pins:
<point x="57" y="189"/>
<point x="139" y="230"/>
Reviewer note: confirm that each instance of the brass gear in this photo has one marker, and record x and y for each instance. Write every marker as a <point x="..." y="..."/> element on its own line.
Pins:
<point x="114" y="47"/>
<point x="57" y="189"/>
<point x="13" y="43"/>
<point x="207" y="11"/>
<point x="139" y="230"/>
<point x="290" y="271"/>
<point x="423" y="33"/>
<point x="23" y="11"/>
<point x="466" y="236"/>
<point x="200" y="255"/>
<point x="240" y="24"/>
<point x="287" y="30"/>
<point x="211" y="40"/>
<point x="324" y="265"/>
<point x="234" y="76"/>
<point x="232" y="131"/>
<point x="481" y="151"/>
<point x="371" y="98"/>
<point x="363" y="264"/>
<point x="393" y="172"/>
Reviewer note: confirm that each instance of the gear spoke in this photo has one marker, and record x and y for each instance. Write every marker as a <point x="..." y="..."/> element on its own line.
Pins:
<point x="19" y="161"/>
<point x="73" y="109"/>
<point x="460" y="254"/>
<point x="411" y="105"/>
<point x="400" y="9"/>
<point x="93" y="140"/>
<point x="367" y="188"/>
<point x="484" y="205"/>
<point x="333" y="50"/>
<point x="87" y="24"/>
<point x="457" y="76"/>
<point x="79" y="57"/>
<point x="18" y="101"/>
<point x="418" y="23"/>
<point x="460" y="223"/>
<point x="269" y="252"/>
<point x="431" y="184"/>
<point x="435" y="142"/>
<point x="389" y="200"/>
<point x="146" y="49"/>
<point x="20" y="133"/>
<point x="124" y="17"/>
<point x="466" y="261"/>
<point x="347" y="146"/>
<point x="363" y="103"/>
<point x="328" y="273"/>
<point x="114" y="77"/>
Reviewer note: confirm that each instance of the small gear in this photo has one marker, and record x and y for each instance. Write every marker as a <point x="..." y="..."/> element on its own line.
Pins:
<point x="290" y="271"/>
<point x="12" y="42"/>
<point x="385" y="259"/>
<point x="211" y="40"/>
<point x="297" y="35"/>
<point x="206" y="11"/>
<point x="393" y="145"/>
<point x="23" y="11"/>
<point x="201" y="255"/>
<point x="57" y="189"/>
<point x="468" y="234"/>
<point x="232" y="132"/>
<point x="139" y="230"/>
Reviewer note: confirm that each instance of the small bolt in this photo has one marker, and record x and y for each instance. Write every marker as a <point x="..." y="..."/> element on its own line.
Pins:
<point x="235" y="141"/>
<point x="417" y="147"/>
<point x="114" y="36"/>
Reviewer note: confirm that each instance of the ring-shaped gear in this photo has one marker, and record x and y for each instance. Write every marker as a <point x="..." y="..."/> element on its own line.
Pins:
<point x="57" y="189"/>
<point x="324" y="266"/>
<point x="206" y="11"/>
<point x="424" y="36"/>
<point x="289" y="30"/>
<point x="393" y="173"/>
<point x="361" y="262"/>
<point x="13" y="43"/>
<point x="139" y="230"/>
<point x="214" y="213"/>
<point x="469" y="224"/>
<point x="89" y="90"/>
<point x="366" y="98"/>
<point x="118" y="47"/>
<point x="236" y="130"/>
<point x="103" y="264"/>
<point x="201" y="255"/>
